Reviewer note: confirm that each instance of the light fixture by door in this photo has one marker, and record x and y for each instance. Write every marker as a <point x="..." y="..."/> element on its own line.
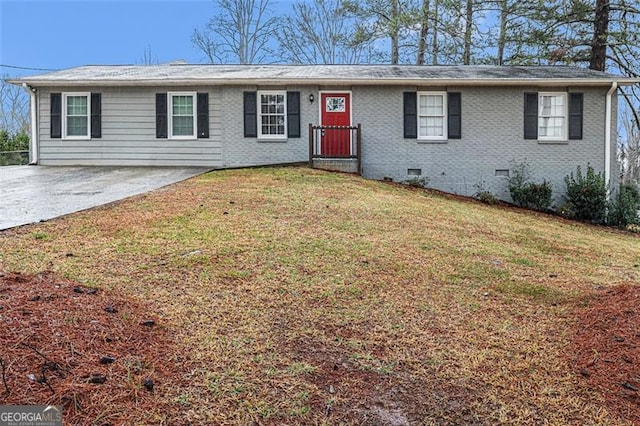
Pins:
<point x="311" y="98"/>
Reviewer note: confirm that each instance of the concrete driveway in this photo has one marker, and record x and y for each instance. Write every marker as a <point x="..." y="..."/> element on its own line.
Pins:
<point x="30" y="194"/>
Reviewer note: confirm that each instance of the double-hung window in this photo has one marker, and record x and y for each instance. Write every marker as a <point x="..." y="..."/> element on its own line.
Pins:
<point x="182" y="115"/>
<point x="75" y="118"/>
<point x="432" y="115"/>
<point x="272" y="115"/>
<point x="552" y="116"/>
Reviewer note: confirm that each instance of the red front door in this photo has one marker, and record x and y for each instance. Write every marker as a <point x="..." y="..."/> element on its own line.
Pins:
<point x="336" y="111"/>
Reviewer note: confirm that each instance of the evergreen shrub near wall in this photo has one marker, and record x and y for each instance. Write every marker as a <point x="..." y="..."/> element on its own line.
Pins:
<point x="586" y="196"/>
<point x="10" y="144"/>
<point x="623" y="209"/>
<point x="526" y="193"/>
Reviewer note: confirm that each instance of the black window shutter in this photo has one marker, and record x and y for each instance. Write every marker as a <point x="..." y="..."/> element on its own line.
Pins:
<point x="250" y="115"/>
<point x="161" y="115"/>
<point x="575" y="115"/>
<point x="203" y="115"/>
<point x="56" y="115"/>
<point x="96" y="115"/>
<point x="531" y="116"/>
<point x="293" y="114"/>
<point x="410" y="115"/>
<point x="454" y="119"/>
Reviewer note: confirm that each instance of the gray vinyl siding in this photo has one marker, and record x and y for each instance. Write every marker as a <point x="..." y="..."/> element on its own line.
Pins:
<point x="492" y="139"/>
<point x="129" y="133"/>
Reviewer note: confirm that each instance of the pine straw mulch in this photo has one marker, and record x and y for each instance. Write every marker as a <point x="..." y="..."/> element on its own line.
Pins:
<point x="605" y="350"/>
<point x="54" y="335"/>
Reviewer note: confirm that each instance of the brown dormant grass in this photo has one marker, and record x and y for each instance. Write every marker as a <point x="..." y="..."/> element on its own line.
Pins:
<point x="296" y="296"/>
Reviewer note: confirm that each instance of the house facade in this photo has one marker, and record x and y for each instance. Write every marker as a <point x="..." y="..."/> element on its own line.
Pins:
<point x="462" y="127"/>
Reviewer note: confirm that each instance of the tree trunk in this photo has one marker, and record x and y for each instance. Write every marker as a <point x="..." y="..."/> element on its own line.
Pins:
<point x="598" y="58"/>
<point x="434" y="45"/>
<point x="468" y="32"/>
<point x="393" y="32"/>
<point x="424" y="29"/>
<point x="502" y="36"/>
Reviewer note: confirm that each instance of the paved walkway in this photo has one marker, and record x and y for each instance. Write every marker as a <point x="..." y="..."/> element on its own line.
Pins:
<point x="30" y="194"/>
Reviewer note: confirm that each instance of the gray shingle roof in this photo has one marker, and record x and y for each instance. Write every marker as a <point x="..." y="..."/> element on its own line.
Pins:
<point x="185" y="74"/>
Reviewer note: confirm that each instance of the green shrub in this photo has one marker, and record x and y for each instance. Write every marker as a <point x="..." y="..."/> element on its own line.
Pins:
<point x="13" y="142"/>
<point x="623" y="209"/>
<point x="484" y="195"/>
<point x="9" y="144"/>
<point x="526" y="193"/>
<point x="417" y="182"/>
<point x="587" y="195"/>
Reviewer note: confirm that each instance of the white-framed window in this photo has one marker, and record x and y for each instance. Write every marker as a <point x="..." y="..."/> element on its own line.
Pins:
<point x="182" y="115"/>
<point x="432" y="115"/>
<point x="552" y="116"/>
<point x="76" y="113"/>
<point x="272" y="114"/>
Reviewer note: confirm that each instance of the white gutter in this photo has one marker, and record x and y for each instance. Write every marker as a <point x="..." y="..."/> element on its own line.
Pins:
<point x="336" y="81"/>
<point x="607" y="134"/>
<point x="33" y="142"/>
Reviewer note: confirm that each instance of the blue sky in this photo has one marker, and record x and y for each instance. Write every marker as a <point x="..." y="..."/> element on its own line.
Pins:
<point x="62" y="34"/>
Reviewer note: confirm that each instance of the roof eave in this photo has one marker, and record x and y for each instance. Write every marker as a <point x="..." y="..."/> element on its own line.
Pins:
<point x="625" y="81"/>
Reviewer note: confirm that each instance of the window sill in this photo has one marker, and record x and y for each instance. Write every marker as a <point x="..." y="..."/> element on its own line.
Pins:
<point x="76" y="138"/>
<point x="272" y="140"/>
<point x="552" y="142"/>
<point x="433" y="141"/>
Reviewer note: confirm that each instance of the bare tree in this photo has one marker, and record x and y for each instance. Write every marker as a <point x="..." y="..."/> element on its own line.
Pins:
<point x="240" y="33"/>
<point x="468" y="32"/>
<point x="435" y="47"/>
<point x="629" y="150"/>
<point x="14" y="108"/>
<point x="323" y="32"/>
<point x="424" y="32"/>
<point x="148" y="57"/>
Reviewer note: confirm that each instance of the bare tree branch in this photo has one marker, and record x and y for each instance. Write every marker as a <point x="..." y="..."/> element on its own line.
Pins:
<point x="240" y="33"/>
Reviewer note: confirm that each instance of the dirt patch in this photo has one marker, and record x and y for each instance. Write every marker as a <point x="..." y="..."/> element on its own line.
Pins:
<point x="102" y="357"/>
<point x="605" y="350"/>
<point x="356" y="391"/>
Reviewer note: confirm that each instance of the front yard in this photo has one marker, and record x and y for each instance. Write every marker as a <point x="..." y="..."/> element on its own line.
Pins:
<point x="295" y="296"/>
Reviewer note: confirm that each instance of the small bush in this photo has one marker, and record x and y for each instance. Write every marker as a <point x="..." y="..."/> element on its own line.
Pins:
<point x="526" y="193"/>
<point x="10" y="144"/>
<point x="487" y="198"/>
<point x="484" y="195"/>
<point x="566" y="210"/>
<point x="417" y="182"/>
<point x="587" y="195"/>
<point x="623" y="210"/>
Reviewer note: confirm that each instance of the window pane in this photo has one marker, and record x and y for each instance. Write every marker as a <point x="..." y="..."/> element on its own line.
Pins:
<point x="552" y="106"/>
<point x="76" y="105"/>
<point x="431" y="126"/>
<point x="434" y="105"/>
<point x="431" y="116"/>
<point x="182" y="126"/>
<point x="182" y="105"/>
<point x="77" y="126"/>
<point x="552" y="116"/>
<point x="551" y="127"/>
<point x="435" y="126"/>
<point x="272" y="114"/>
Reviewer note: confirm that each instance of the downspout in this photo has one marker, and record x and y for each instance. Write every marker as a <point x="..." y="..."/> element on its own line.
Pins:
<point x="607" y="135"/>
<point x="33" y="148"/>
